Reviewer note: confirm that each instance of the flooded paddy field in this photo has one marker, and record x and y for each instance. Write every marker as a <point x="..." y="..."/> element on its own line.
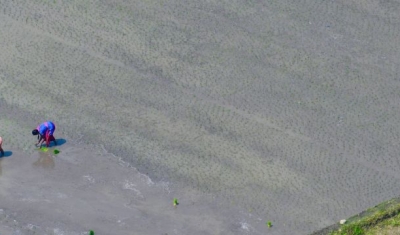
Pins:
<point x="245" y="111"/>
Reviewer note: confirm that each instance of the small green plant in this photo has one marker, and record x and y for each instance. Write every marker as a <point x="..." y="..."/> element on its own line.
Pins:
<point x="56" y="151"/>
<point x="269" y="224"/>
<point x="358" y="231"/>
<point x="91" y="232"/>
<point x="176" y="202"/>
<point x="44" y="149"/>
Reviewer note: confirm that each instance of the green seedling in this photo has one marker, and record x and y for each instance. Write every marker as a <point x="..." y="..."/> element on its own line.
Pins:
<point x="358" y="231"/>
<point x="176" y="202"/>
<point x="269" y="224"/>
<point x="91" y="232"/>
<point x="56" y="151"/>
<point x="44" y="149"/>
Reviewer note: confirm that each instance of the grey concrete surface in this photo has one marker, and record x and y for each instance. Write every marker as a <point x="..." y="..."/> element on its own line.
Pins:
<point x="281" y="110"/>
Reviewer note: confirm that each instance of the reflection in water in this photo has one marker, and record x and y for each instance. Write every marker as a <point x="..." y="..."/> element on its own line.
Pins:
<point x="45" y="160"/>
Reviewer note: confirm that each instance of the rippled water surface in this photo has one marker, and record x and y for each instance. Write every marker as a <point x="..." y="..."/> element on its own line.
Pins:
<point x="287" y="109"/>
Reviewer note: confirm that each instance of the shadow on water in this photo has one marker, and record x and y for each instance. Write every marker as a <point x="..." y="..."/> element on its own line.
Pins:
<point x="6" y="154"/>
<point x="59" y="143"/>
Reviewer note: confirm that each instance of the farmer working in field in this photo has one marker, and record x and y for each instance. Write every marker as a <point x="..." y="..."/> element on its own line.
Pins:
<point x="45" y="131"/>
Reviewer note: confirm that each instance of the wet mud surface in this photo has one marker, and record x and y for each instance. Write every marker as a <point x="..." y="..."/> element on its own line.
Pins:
<point x="280" y="110"/>
<point x="77" y="190"/>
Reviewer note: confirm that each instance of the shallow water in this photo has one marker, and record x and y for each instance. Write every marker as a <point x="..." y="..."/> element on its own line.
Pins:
<point x="81" y="190"/>
<point x="272" y="108"/>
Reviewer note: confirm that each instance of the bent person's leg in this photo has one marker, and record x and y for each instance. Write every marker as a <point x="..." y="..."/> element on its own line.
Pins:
<point x="47" y="138"/>
<point x="52" y="138"/>
<point x="1" y="149"/>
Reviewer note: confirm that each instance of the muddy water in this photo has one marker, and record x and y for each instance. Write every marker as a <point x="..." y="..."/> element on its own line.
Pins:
<point x="273" y="107"/>
<point x="45" y="160"/>
<point x="78" y="190"/>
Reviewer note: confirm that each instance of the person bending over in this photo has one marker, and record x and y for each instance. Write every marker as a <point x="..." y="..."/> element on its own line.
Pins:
<point x="45" y="132"/>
